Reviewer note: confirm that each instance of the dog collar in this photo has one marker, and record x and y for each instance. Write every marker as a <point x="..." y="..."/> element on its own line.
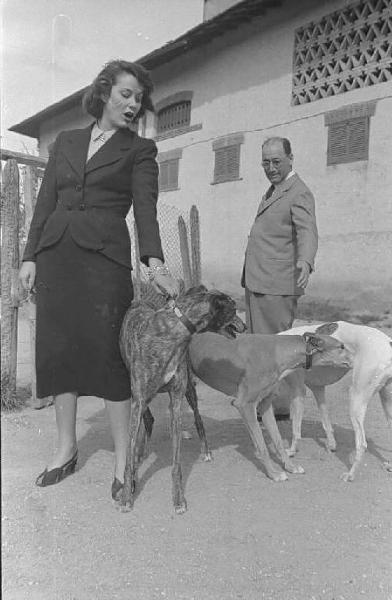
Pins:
<point x="184" y="320"/>
<point x="308" y="356"/>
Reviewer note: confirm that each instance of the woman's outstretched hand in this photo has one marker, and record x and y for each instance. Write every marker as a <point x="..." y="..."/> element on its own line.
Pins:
<point x="164" y="283"/>
<point x="27" y="275"/>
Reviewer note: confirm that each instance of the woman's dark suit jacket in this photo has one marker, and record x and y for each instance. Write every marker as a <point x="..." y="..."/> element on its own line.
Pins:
<point x="92" y="199"/>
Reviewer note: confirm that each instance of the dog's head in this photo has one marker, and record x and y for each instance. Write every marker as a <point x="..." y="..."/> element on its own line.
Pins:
<point x="326" y="350"/>
<point x="212" y="310"/>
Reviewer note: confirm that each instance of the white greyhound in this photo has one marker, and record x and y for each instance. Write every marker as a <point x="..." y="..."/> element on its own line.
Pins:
<point x="371" y="352"/>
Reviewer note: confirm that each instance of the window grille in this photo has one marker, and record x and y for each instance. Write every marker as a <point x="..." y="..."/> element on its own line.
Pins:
<point x="348" y="141"/>
<point x="348" y="49"/>
<point x="174" y="116"/>
<point x="168" y="175"/>
<point x="227" y="163"/>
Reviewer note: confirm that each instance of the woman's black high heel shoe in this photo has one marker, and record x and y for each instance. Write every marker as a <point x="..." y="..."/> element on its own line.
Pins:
<point x="58" y="474"/>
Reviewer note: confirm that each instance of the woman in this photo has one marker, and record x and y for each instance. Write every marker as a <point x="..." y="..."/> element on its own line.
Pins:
<point x="78" y="257"/>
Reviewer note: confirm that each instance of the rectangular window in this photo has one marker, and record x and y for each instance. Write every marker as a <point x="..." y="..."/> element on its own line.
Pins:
<point x="227" y="163"/>
<point x="348" y="141"/>
<point x="174" y="116"/>
<point x="168" y="175"/>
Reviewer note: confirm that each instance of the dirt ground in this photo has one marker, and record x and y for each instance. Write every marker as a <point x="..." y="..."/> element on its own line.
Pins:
<point x="245" y="537"/>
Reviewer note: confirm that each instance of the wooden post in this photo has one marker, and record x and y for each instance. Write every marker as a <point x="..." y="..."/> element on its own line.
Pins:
<point x="9" y="283"/>
<point x="184" y="248"/>
<point x="29" y="188"/>
<point x="195" y="246"/>
<point x="137" y="279"/>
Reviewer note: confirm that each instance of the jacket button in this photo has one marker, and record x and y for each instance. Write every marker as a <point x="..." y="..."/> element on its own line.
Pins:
<point x="82" y="206"/>
<point x="78" y="187"/>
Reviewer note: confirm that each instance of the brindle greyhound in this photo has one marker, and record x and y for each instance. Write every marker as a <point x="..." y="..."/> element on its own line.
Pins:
<point x="153" y="346"/>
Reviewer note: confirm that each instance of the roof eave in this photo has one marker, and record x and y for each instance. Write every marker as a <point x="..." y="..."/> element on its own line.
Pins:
<point x="229" y="19"/>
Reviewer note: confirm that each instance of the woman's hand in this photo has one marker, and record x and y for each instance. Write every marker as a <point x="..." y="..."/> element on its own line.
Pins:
<point x="164" y="283"/>
<point x="27" y="275"/>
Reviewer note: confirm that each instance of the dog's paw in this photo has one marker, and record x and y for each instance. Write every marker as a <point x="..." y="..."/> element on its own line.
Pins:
<point x="347" y="477"/>
<point x="127" y="507"/>
<point x="293" y="468"/>
<point x="279" y="476"/>
<point x="180" y="509"/>
<point x="330" y="445"/>
<point x="207" y="457"/>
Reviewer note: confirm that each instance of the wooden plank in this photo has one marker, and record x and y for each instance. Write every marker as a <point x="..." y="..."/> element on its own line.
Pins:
<point x="23" y="159"/>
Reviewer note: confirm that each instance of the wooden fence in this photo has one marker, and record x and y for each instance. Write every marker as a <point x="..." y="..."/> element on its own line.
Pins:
<point x="18" y="197"/>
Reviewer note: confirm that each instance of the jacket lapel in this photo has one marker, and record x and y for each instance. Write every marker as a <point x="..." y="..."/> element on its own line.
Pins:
<point x="276" y="194"/>
<point x="112" y="151"/>
<point x="75" y="149"/>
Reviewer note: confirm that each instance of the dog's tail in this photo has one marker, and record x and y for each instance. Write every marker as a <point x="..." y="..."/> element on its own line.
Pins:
<point x="386" y="400"/>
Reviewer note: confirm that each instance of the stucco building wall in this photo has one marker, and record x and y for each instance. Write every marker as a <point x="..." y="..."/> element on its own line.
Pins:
<point x="241" y="83"/>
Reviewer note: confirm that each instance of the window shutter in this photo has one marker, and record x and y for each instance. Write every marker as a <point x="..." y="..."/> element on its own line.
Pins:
<point x="163" y="175"/>
<point x="337" y="143"/>
<point x="358" y="139"/>
<point x="220" y="165"/>
<point x="233" y="161"/>
<point x="168" y="175"/>
<point x="227" y="163"/>
<point x="348" y="141"/>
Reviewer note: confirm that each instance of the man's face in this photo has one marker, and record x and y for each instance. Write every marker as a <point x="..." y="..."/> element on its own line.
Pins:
<point x="275" y="162"/>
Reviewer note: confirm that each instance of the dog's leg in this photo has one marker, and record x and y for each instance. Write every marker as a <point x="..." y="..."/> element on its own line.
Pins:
<point x="144" y="435"/>
<point x="148" y="420"/>
<point x="247" y="410"/>
<point x="272" y="428"/>
<point x="176" y="393"/>
<point x="386" y="400"/>
<point x="191" y="396"/>
<point x="135" y="425"/>
<point x="358" y="406"/>
<point x="296" y="415"/>
<point x="319" y="394"/>
<point x="296" y="386"/>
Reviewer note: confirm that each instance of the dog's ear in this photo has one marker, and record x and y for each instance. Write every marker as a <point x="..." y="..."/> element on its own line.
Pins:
<point x="327" y="328"/>
<point x="196" y="290"/>
<point x="222" y="304"/>
<point x="314" y="341"/>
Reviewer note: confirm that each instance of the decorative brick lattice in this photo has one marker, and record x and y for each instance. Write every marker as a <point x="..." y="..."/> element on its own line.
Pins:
<point x="348" y="49"/>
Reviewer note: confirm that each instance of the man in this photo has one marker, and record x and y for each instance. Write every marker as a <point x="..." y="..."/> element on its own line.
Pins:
<point x="282" y="244"/>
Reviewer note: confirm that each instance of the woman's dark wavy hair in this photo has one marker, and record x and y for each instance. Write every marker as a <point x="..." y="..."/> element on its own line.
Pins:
<point x="102" y="86"/>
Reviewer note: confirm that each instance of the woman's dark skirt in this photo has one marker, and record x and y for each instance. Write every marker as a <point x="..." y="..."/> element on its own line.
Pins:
<point x="82" y="297"/>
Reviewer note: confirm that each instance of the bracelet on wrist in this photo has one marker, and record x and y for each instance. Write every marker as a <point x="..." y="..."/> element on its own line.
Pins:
<point x="155" y="270"/>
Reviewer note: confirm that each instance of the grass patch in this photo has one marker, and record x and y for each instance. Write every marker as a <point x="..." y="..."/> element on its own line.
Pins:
<point x="322" y="310"/>
<point x="17" y="402"/>
<point x="317" y="309"/>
